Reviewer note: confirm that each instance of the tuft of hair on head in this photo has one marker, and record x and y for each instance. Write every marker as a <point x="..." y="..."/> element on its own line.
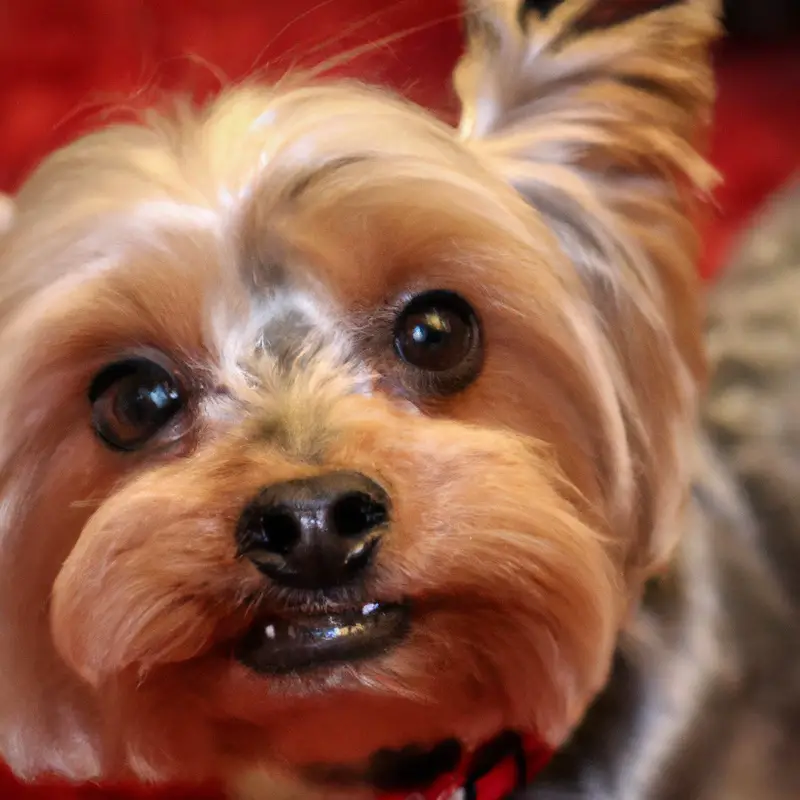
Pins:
<point x="596" y="111"/>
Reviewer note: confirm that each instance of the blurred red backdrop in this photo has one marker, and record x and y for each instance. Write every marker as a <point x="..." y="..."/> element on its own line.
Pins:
<point x="62" y="62"/>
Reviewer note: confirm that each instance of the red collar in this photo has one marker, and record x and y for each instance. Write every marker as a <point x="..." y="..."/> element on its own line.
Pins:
<point x="493" y="772"/>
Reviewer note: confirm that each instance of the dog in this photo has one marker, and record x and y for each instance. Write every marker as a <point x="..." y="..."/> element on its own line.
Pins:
<point x="345" y="453"/>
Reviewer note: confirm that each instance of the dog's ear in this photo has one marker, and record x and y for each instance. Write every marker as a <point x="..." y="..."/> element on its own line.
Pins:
<point x="596" y="110"/>
<point x="598" y="83"/>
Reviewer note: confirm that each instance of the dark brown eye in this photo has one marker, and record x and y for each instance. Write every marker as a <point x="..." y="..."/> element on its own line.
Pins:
<point x="438" y="332"/>
<point x="133" y="401"/>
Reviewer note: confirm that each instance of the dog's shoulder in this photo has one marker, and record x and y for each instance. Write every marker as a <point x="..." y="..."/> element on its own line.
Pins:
<point x="753" y="407"/>
<point x="704" y="696"/>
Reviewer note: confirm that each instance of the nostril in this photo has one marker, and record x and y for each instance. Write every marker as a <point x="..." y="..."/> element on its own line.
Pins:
<point x="280" y="531"/>
<point x="355" y="514"/>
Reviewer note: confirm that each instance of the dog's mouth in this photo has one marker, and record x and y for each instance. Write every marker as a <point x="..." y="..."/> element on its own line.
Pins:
<point x="306" y="641"/>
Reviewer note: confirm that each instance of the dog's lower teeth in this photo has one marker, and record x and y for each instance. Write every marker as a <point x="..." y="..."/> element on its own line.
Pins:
<point x="273" y="631"/>
<point x="355" y="634"/>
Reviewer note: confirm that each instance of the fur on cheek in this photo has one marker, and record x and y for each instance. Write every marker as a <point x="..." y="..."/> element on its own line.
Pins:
<point x="151" y="577"/>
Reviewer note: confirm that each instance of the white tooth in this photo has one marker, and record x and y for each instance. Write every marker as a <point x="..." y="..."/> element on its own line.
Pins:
<point x="369" y="608"/>
<point x="270" y="631"/>
<point x="291" y="632"/>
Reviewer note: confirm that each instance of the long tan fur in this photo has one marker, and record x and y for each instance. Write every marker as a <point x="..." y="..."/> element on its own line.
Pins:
<point x="529" y="508"/>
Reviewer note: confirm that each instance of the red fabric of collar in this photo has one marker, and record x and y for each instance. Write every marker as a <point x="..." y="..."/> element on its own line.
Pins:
<point x="511" y="772"/>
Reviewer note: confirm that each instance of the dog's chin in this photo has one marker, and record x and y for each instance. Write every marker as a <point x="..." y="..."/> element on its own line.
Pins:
<point x="273" y="692"/>
<point x="302" y="641"/>
<point x="332" y="716"/>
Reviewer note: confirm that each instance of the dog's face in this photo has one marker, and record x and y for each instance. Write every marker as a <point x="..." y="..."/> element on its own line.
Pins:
<point x="327" y="428"/>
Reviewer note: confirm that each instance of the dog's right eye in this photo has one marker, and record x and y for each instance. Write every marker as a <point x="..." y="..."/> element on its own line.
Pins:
<point x="135" y="401"/>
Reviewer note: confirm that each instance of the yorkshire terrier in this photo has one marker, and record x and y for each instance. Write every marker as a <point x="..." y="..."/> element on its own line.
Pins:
<point x="345" y="454"/>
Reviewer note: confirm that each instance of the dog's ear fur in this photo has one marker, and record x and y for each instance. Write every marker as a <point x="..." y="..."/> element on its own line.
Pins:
<point x="595" y="110"/>
<point x="600" y="105"/>
<point x="600" y="84"/>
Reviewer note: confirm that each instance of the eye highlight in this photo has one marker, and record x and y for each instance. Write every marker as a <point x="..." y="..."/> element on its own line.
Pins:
<point x="135" y="401"/>
<point x="438" y="333"/>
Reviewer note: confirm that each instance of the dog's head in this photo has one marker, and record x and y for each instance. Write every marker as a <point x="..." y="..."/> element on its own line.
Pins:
<point x="325" y="427"/>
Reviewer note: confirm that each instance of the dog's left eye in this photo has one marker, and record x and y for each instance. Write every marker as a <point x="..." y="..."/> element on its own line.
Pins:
<point x="134" y="401"/>
<point x="438" y="334"/>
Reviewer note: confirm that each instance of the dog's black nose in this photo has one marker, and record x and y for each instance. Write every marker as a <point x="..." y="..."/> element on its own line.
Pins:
<point x="315" y="533"/>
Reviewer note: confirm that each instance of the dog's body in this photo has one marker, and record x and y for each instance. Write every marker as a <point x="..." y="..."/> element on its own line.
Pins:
<point x="704" y="701"/>
<point x="321" y="416"/>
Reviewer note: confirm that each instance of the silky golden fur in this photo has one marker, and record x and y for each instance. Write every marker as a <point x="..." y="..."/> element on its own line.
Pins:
<point x="529" y="509"/>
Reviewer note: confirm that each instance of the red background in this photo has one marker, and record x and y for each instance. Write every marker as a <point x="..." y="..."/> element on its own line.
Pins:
<point x="61" y="62"/>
